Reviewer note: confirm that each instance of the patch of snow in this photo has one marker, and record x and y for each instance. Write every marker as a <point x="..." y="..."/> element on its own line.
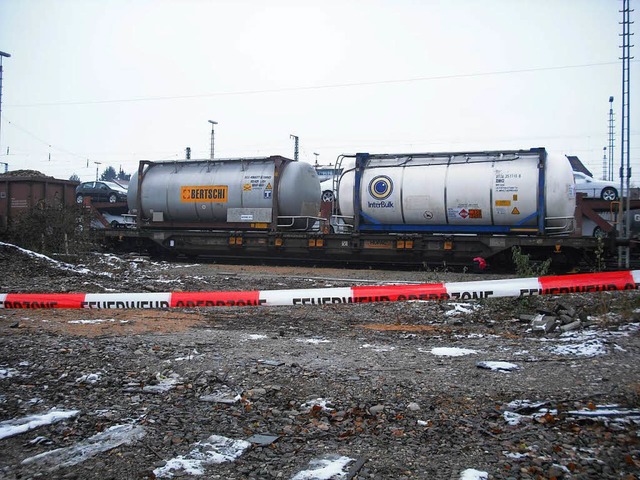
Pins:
<point x="39" y="440"/>
<point x="377" y="348"/>
<point x="544" y="411"/>
<point x="313" y="341"/>
<point x="562" y="467"/>
<point x="91" y="322"/>
<point x="608" y="413"/>
<point x="8" y="373"/>
<point x="498" y="366"/>
<point x="89" y="378"/>
<point x="513" y="418"/>
<point x="323" y="403"/>
<point x="515" y="455"/>
<point x="164" y="384"/>
<point x="589" y="348"/>
<point x="256" y="336"/>
<point x="521" y="404"/>
<point x="16" y="426"/>
<point x="54" y="263"/>
<point x="189" y="356"/>
<point x="476" y="335"/>
<point x="452" y="351"/>
<point x="461" y="308"/>
<point x="472" y="474"/>
<point x="326" y="468"/>
<point x="215" y="449"/>
<point x="102" y="442"/>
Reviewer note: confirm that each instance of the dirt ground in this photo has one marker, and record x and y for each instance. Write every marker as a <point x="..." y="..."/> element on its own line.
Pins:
<point x="424" y="390"/>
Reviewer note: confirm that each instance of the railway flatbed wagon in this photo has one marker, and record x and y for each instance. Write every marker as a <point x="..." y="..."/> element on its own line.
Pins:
<point x="436" y="209"/>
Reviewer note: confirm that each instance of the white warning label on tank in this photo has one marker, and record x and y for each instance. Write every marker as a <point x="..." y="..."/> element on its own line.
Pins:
<point x="257" y="181"/>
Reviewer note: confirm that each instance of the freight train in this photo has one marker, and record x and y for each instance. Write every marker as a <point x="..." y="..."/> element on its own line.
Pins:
<point x="436" y="209"/>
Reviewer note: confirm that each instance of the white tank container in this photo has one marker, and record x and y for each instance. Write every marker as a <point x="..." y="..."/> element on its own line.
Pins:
<point x="471" y="189"/>
<point x="238" y="190"/>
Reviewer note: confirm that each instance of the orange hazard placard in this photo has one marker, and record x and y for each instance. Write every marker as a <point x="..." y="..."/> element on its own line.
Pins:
<point x="204" y="193"/>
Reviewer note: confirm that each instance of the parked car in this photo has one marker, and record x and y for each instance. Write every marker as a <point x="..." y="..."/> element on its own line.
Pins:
<point x="109" y="220"/>
<point x="593" y="188"/>
<point x="101" y="192"/>
<point x="326" y="176"/>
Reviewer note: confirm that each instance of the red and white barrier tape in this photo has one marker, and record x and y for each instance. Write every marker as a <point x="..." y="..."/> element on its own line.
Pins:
<point x="513" y="287"/>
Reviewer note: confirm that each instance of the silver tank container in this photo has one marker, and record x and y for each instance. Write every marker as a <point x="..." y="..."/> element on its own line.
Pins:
<point x="473" y="189"/>
<point x="219" y="191"/>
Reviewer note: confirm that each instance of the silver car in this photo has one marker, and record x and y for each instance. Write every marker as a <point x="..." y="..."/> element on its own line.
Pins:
<point x="593" y="188"/>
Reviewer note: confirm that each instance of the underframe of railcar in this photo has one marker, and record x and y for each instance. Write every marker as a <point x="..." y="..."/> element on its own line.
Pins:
<point x="428" y="250"/>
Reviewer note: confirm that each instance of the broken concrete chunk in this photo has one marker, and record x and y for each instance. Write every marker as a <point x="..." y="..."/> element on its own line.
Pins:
<point x="564" y="309"/>
<point x="544" y="323"/>
<point x="262" y="440"/>
<point x="270" y="363"/>
<point x="571" y="326"/>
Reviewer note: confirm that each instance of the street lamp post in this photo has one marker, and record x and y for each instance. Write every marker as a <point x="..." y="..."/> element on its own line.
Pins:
<point x="213" y="124"/>
<point x="97" y="165"/>
<point x="2" y="55"/>
<point x="316" y="154"/>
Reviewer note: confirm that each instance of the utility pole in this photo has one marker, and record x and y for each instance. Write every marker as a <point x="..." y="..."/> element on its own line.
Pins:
<point x="97" y="165"/>
<point x="295" y="147"/>
<point x="213" y="124"/>
<point x="611" y="139"/>
<point x="316" y="154"/>
<point x="2" y="55"/>
<point x="625" y="166"/>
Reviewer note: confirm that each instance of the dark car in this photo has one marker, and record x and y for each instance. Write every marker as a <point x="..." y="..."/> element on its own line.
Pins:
<point x="101" y="192"/>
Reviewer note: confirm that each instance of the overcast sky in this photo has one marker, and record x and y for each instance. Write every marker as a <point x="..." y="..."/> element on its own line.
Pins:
<point x="118" y="81"/>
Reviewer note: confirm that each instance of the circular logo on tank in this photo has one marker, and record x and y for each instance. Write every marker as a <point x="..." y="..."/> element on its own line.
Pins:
<point x="380" y="187"/>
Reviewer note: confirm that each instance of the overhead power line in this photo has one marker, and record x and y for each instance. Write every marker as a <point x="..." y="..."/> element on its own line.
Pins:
<point x="31" y="134"/>
<point x="314" y="87"/>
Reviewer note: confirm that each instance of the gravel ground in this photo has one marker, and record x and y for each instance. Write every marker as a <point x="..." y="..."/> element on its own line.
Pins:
<point x="375" y="391"/>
